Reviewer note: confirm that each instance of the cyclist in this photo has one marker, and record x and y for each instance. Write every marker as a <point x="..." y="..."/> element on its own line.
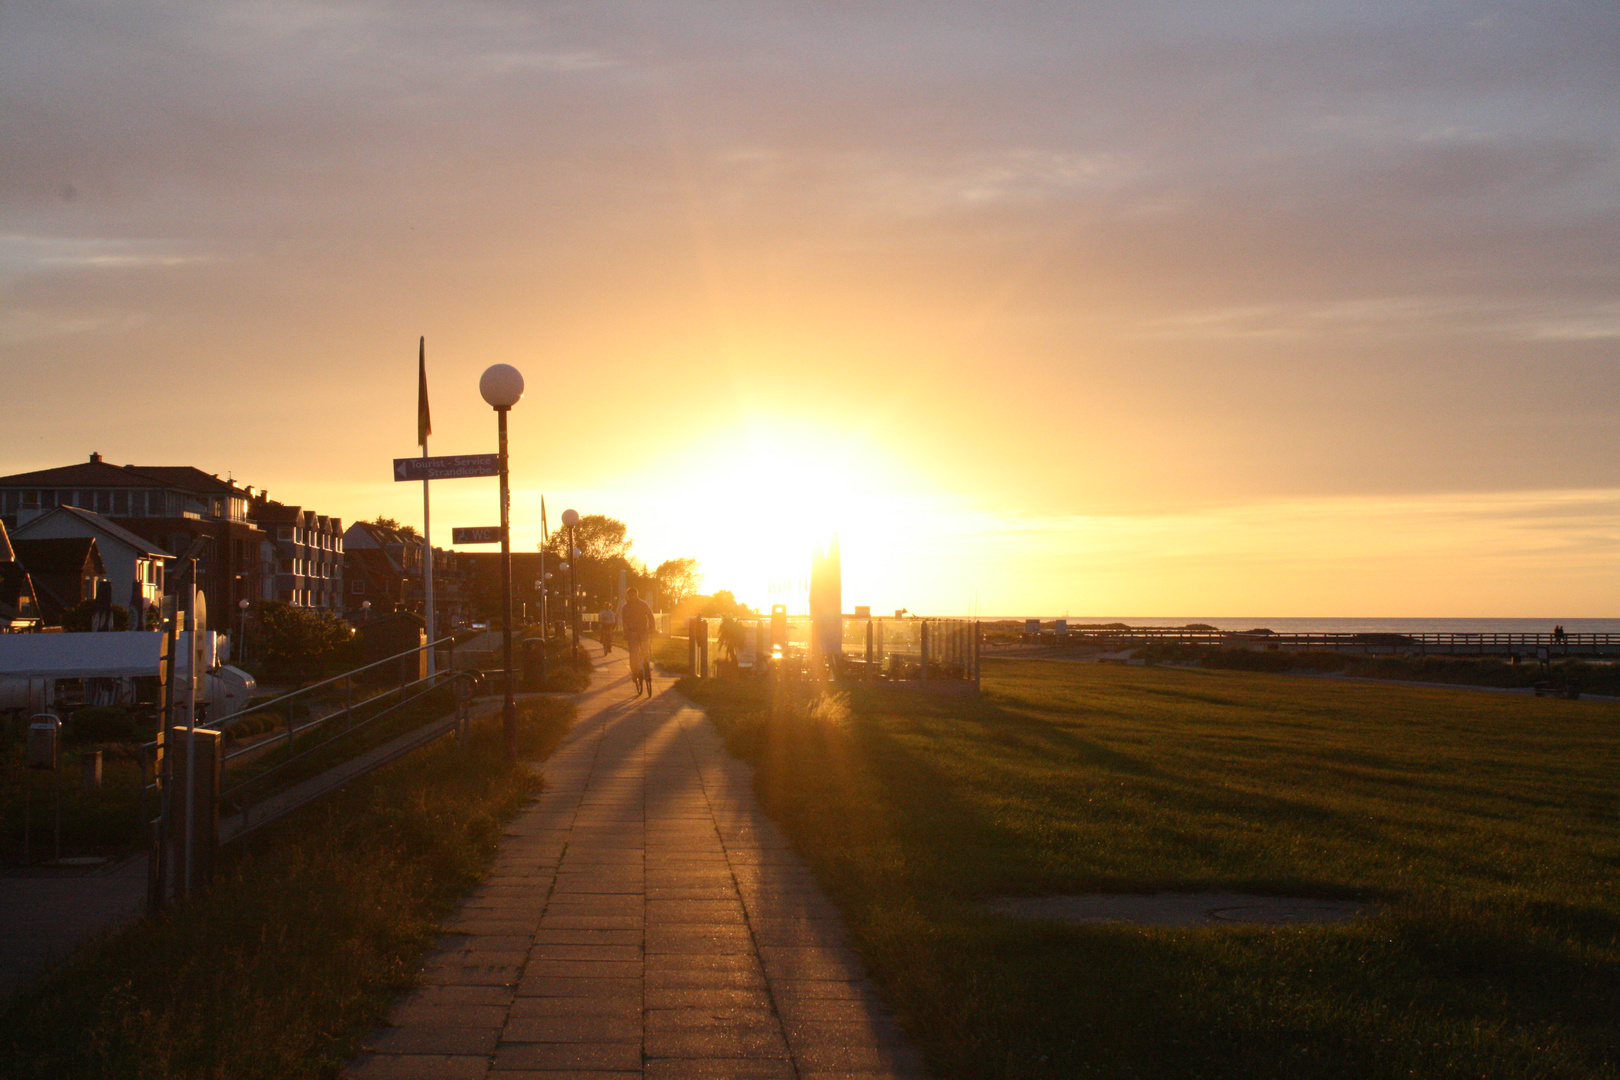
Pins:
<point x="637" y="622"/>
<point x="604" y="622"/>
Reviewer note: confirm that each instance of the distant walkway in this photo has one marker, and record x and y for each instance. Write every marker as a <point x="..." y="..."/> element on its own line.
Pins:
<point x="644" y="918"/>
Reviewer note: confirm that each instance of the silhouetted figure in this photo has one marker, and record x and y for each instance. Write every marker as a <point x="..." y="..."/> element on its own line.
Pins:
<point x="637" y="620"/>
<point x="604" y="622"/>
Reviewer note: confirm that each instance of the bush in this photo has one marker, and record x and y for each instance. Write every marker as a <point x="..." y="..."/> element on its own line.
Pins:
<point x="101" y="723"/>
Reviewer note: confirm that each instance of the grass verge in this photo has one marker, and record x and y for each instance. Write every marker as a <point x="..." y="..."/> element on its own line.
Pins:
<point x="310" y="931"/>
<point x="1487" y="827"/>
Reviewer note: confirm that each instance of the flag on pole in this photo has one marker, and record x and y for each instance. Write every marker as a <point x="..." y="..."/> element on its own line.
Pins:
<point x="424" y="422"/>
<point x="545" y="533"/>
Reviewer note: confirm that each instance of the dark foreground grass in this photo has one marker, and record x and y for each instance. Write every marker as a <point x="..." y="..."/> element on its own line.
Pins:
<point x="307" y="935"/>
<point x="1487" y="829"/>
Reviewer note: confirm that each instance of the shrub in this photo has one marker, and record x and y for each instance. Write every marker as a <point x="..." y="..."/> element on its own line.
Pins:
<point x="101" y="723"/>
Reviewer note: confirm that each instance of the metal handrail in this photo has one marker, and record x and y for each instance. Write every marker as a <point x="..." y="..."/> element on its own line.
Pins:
<point x="245" y="710"/>
<point x="434" y="680"/>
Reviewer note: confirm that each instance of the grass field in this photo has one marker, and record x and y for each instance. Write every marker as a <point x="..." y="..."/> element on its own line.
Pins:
<point x="1486" y="827"/>
<point x="309" y="932"/>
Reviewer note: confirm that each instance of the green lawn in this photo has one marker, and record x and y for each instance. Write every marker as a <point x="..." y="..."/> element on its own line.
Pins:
<point x="1486" y="826"/>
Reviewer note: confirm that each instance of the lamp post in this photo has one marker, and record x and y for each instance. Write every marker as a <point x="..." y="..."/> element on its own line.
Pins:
<point x="571" y="518"/>
<point x="240" y="652"/>
<point x="502" y="387"/>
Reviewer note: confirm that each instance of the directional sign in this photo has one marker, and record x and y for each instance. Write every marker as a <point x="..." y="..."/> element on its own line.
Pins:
<point x="447" y="468"/>
<point x="476" y="534"/>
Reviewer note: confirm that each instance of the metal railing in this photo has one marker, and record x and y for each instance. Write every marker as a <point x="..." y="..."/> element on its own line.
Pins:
<point x="1426" y="641"/>
<point x="895" y="650"/>
<point x="343" y="716"/>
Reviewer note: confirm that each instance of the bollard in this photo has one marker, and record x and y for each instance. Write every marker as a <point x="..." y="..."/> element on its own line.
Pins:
<point x="90" y="766"/>
<point x="202" y="834"/>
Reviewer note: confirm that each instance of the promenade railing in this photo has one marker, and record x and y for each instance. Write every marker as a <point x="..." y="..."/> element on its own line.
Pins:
<point x="914" y="650"/>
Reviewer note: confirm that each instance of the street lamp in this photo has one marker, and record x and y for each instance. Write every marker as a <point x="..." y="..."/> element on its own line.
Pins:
<point x="570" y="518"/>
<point x="502" y="387"/>
<point x="241" y="645"/>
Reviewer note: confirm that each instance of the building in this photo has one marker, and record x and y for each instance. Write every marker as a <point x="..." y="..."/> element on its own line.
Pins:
<point x="481" y="572"/>
<point x="302" y="556"/>
<point x="66" y="572"/>
<point x="19" y="606"/>
<point x="379" y="564"/>
<point x="382" y="573"/>
<point x="177" y="508"/>
<point x="134" y="565"/>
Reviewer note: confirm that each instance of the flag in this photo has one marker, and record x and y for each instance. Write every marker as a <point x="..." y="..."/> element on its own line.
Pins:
<point x="424" y="422"/>
<point x="545" y="533"/>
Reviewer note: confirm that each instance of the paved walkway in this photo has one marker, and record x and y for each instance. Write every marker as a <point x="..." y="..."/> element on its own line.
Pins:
<point x="644" y="918"/>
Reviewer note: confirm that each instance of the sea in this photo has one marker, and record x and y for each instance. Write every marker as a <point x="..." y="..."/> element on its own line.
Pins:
<point x="1351" y="626"/>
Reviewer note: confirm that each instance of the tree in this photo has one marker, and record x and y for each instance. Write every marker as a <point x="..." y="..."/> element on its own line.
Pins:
<point x="389" y="523"/>
<point x="676" y="579"/>
<point x="598" y="536"/>
<point x="299" y="637"/>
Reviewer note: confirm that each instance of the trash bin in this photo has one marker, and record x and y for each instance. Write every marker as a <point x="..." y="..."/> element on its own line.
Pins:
<point x="533" y="663"/>
<point x="44" y="735"/>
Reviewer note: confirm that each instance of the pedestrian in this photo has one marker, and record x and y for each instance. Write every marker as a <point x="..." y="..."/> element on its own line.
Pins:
<point x="605" y="623"/>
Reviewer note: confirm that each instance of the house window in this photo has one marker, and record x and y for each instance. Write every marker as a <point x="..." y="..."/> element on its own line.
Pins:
<point x="154" y="503"/>
<point x="120" y="502"/>
<point x="358" y="586"/>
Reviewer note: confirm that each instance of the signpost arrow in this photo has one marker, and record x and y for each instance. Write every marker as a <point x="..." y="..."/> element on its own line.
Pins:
<point x="447" y="468"/>
<point x="476" y="534"/>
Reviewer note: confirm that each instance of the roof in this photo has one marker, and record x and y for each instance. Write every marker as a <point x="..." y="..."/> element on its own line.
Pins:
<point x="17" y="599"/>
<point x="97" y="473"/>
<point x="190" y="478"/>
<point x="84" y="474"/>
<point x="5" y="545"/>
<point x="269" y="510"/>
<point x="57" y="555"/>
<point x="93" y="520"/>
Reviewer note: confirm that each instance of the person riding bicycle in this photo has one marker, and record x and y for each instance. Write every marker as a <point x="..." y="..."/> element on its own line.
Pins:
<point x="604" y="623"/>
<point x="636" y="620"/>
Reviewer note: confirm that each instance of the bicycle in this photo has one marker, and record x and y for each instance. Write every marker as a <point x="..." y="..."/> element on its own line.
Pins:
<point x="640" y="663"/>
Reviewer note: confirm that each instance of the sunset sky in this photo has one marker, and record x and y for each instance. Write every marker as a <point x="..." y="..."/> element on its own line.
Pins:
<point x="1160" y="307"/>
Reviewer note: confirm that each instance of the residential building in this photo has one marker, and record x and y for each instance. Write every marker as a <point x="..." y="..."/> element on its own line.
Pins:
<point x="302" y="555"/>
<point x="382" y="567"/>
<point x="174" y="507"/>
<point x="19" y="606"/>
<point x="481" y="572"/>
<point x="66" y="571"/>
<point x="378" y="565"/>
<point x="134" y="564"/>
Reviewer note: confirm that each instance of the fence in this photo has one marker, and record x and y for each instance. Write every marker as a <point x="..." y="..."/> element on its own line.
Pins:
<point x="893" y="650"/>
<point x="1442" y="643"/>
<point x="184" y="821"/>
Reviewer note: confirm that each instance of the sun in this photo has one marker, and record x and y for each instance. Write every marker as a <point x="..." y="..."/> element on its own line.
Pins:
<point x="768" y="495"/>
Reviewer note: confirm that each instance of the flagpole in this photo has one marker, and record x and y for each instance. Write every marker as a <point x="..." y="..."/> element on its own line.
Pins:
<point x="424" y="428"/>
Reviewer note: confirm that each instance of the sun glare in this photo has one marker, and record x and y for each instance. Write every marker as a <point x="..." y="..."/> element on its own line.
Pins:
<point x="769" y="497"/>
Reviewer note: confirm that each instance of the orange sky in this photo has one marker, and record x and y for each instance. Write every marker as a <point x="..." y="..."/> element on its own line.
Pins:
<point x="1284" y="309"/>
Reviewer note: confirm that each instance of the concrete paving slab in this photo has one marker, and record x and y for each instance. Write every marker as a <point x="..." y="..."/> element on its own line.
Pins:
<point x="646" y="920"/>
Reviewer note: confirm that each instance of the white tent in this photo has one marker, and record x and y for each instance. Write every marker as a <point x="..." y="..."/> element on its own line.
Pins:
<point x="84" y="656"/>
